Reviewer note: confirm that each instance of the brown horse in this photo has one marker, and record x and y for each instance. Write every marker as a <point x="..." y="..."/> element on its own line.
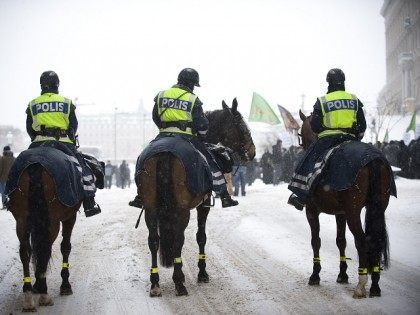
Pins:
<point x="167" y="201"/>
<point x="38" y="212"/>
<point x="371" y="189"/>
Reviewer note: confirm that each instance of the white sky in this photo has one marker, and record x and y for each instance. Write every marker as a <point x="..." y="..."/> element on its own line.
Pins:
<point x="114" y="53"/>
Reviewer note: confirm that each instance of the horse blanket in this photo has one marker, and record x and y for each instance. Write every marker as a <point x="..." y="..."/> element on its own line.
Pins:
<point x="199" y="178"/>
<point x="64" y="169"/>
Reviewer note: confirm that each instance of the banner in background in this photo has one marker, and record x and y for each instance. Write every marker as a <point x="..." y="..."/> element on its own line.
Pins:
<point x="261" y="111"/>
<point x="289" y="122"/>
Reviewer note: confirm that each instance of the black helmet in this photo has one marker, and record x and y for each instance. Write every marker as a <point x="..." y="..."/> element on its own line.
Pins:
<point x="49" y="79"/>
<point x="336" y="76"/>
<point x="189" y="76"/>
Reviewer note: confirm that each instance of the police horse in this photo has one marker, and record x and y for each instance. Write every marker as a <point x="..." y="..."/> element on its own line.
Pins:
<point x="371" y="188"/>
<point x="167" y="201"/>
<point x="36" y="195"/>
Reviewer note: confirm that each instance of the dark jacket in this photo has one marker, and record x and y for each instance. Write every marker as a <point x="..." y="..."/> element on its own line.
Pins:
<point x="317" y="124"/>
<point x="6" y="162"/>
<point x="73" y="123"/>
<point x="199" y="119"/>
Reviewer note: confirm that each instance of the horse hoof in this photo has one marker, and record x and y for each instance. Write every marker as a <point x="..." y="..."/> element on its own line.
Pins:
<point x="359" y="294"/>
<point x="343" y="279"/>
<point x="314" y="280"/>
<point x="181" y="290"/>
<point x="203" y="278"/>
<point x="29" y="309"/>
<point x="374" y="291"/>
<point x="45" y="300"/>
<point x="66" y="291"/>
<point x="155" y="291"/>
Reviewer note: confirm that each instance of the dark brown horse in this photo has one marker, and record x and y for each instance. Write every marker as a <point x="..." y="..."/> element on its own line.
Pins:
<point x="167" y="201"/>
<point x="38" y="212"/>
<point x="371" y="189"/>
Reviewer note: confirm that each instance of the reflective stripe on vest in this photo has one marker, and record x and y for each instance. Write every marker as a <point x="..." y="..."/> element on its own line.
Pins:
<point x="339" y="111"/>
<point x="52" y="111"/>
<point x="176" y="104"/>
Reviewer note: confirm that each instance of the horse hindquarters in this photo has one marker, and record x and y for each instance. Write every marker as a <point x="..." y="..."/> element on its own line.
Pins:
<point x="375" y="225"/>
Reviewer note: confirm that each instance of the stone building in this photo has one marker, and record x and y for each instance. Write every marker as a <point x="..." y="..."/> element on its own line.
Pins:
<point x="401" y="93"/>
<point x="117" y="136"/>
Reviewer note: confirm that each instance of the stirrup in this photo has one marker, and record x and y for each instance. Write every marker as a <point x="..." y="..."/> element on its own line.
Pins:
<point x="296" y="202"/>
<point x="136" y="202"/>
<point x="93" y="211"/>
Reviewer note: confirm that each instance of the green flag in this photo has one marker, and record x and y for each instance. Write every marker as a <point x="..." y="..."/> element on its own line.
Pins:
<point x="412" y="125"/>
<point x="386" y="138"/>
<point x="261" y="111"/>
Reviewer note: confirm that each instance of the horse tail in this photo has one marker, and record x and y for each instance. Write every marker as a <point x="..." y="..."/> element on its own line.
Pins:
<point x="165" y="204"/>
<point x="39" y="222"/>
<point x="375" y="225"/>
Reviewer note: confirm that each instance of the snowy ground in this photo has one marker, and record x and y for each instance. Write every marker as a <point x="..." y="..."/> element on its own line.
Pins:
<point x="259" y="261"/>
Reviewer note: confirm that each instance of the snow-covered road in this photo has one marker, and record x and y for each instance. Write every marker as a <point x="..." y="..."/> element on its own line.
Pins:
<point x="259" y="261"/>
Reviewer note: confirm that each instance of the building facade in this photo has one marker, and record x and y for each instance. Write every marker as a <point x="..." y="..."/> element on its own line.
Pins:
<point x="401" y="93"/>
<point x="117" y="136"/>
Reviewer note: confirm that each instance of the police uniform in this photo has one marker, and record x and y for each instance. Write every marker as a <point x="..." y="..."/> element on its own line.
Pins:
<point x="178" y="111"/>
<point x="51" y="121"/>
<point x="337" y="117"/>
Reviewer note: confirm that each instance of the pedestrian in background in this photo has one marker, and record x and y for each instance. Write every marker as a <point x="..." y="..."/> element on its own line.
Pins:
<point x="6" y="162"/>
<point x="277" y="162"/>
<point x="109" y="171"/>
<point x="124" y="174"/>
<point x="239" y="179"/>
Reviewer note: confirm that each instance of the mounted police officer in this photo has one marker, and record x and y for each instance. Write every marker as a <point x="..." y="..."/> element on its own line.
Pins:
<point x="179" y="111"/>
<point x="51" y="122"/>
<point x="337" y="117"/>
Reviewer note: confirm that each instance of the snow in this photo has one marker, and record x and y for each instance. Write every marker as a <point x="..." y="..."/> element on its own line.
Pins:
<point x="259" y="261"/>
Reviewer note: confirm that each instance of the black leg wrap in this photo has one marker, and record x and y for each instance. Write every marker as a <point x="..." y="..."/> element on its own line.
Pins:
<point x="27" y="287"/>
<point x="154" y="278"/>
<point x="40" y="286"/>
<point x="375" y="290"/>
<point x="342" y="276"/>
<point x="314" y="278"/>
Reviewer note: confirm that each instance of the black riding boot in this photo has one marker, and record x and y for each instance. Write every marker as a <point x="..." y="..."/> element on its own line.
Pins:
<point x="227" y="200"/>
<point x="137" y="202"/>
<point x="91" y="207"/>
<point x="296" y="202"/>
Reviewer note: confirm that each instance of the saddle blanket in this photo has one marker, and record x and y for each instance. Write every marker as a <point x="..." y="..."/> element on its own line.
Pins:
<point x="64" y="169"/>
<point x="199" y="178"/>
<point x="344" y="162"/>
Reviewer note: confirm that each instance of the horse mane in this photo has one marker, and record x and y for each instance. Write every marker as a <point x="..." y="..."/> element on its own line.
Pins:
<point x="216" y="123"/>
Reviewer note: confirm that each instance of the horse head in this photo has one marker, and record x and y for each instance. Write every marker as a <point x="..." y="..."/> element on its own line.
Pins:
<point x="234" y="132"/>
<point x="306" y="135"/>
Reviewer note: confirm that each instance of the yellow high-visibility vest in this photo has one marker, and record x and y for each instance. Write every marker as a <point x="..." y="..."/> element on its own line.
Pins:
<point x="51" y="111"/>
<point x="339" y="112"/>
<point x="176" y="105"/>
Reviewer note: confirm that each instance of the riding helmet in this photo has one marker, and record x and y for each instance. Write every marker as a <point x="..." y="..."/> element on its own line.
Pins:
<point x="189" y="76"/>
<point x="49" y="79"/>
<point x="336" y="76"/>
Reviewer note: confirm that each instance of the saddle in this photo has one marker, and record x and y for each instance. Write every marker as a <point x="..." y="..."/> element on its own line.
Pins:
<point x="64" y="169"/>
<point x="199" y="178"/>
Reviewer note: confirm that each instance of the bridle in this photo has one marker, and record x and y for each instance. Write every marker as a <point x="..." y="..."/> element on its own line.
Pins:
<point x="246" y="144"/>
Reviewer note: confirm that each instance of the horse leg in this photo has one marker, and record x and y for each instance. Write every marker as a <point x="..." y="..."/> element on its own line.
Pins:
<point x="202" y="213"/>
<point x="40" y="285"/>
<point x="355" y="227"/>
<point x="313" y="219"/>
<point x="25" y="257"/>
<point x="65" y="288"/>
<point x="153" y="240"/>
<point x="178" y="276"/>
<point x="341" y="244"/>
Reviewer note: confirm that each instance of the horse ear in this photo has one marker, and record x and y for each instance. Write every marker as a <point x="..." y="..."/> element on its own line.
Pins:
<point x="235" y="105"/>
<point x="224" y="105"/>
<point x="302" y="115"/>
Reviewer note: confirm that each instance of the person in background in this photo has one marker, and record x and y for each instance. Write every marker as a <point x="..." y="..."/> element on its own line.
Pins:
<point x="124" y="174"/>
<point x="239" y="178"/>
<point x="6" y="162"/>
<point x="109" y="171"/>
<point x="277" y="162"/>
